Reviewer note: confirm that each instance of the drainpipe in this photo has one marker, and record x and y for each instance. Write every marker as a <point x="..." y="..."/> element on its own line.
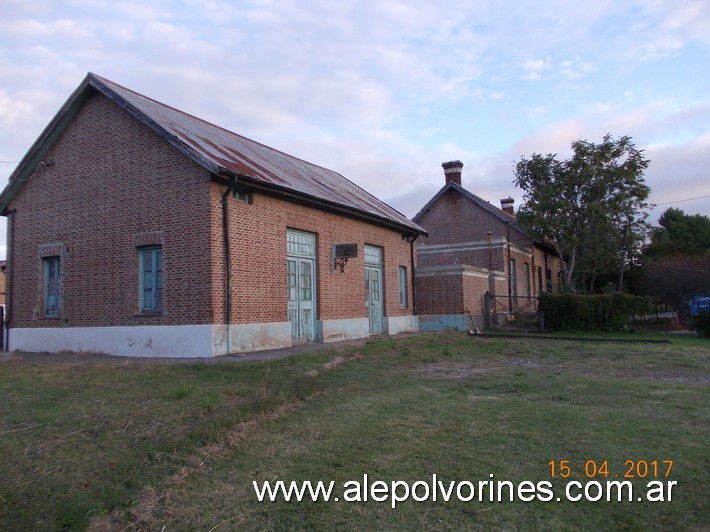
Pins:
<point x="227" y="257"/>
<point x="411" y="259"/>
<point x="510" y="273"/>
<point x="8" y="285"/>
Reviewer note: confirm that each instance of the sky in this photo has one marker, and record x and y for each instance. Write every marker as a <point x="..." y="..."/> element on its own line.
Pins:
<point x="385" y="91"/>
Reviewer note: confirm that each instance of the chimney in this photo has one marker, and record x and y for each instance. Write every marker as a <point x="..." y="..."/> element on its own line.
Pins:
<point x="507" y="205"/>
<point x="452" y="171"/>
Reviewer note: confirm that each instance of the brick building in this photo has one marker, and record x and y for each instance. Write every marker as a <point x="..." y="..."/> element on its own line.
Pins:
<point x="137" y="229"/>
<point x="474" y="248"/>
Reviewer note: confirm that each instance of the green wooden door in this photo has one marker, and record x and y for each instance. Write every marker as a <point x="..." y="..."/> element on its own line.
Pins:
<point x="373" y="288"/>
<point x="300" y="271"/>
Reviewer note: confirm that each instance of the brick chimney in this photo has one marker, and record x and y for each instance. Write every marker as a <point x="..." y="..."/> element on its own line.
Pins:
<point x="452" y="171"/>
<point x="507" y="205"/>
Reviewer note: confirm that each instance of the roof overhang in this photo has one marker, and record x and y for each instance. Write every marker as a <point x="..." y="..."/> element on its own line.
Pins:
<point x="93" y="84"/>
<point x="39" y="149"/>
<point x="284" y="193"/>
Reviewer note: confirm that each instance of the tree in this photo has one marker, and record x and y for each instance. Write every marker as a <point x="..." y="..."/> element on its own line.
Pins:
<point x="679" y="234"/>
<point x="676" y="263"/>
<point x="590" y="206"/>
<point x="675" y="278"/>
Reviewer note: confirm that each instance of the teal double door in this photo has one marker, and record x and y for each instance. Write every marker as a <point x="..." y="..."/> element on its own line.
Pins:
<point x="301" y="284"/>
<point x="373" y="288"/>
<point x="300" y="272"/>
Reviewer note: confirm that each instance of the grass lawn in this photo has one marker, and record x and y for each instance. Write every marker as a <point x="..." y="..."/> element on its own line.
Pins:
<point x="139" y="446"/>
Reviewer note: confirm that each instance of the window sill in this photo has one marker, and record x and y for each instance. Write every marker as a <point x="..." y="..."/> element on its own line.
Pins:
<point x="148" y="314"/>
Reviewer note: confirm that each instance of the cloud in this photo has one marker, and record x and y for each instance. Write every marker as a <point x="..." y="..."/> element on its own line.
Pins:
<point x="671" y="181"/>
<point x="669" y="27"/>
<point x="382" y="92"/>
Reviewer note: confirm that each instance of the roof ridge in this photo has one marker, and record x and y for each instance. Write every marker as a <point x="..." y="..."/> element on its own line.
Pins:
<point x="500" y="213"/>
<point x="221" y="150"/>
<point x="109" y="83"/>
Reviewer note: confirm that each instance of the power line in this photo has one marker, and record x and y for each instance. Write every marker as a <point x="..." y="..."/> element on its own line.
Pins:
<point x="680" y="200"/>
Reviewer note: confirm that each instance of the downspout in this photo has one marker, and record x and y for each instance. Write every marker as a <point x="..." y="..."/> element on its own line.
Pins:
<point x="411" y="259"/>
<point x="510" y="273"/>
<point x="532" y="273"/>
<point x="227" y="258"/>
<point x="8" y="285"/>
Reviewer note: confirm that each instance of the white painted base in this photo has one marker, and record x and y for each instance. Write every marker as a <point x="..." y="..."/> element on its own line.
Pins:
<point x="248" y="337"/>
<point x="450" y="322"/>
<point x="401" y="324"/>
<point x="190" y="341"/>
<point x="139" y="341"/>
<point x="348" y="329"/>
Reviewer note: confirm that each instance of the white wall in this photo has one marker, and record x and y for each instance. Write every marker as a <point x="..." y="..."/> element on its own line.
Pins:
<point x="153" y="341"/>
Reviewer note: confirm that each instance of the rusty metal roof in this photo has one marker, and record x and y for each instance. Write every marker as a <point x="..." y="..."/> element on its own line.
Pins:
<point x="224" y="152"/>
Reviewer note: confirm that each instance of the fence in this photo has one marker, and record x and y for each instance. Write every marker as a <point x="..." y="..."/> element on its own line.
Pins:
<point x="511" y="311"/>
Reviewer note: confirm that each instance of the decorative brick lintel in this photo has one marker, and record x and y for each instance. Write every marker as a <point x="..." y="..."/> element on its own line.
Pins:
<point x="150" y="238"/>
<point x="55" y="249"/>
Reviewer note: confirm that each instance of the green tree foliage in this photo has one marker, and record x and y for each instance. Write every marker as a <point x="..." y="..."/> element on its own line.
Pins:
<point x="674" y="278"/>
<point x="590" y="206"/>
<point x="676" y="264"/>
<point x="679" y="234"/>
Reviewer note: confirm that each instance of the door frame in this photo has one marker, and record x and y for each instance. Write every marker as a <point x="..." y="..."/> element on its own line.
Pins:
<point x="301" y="248"/>
<point x="373" y="256"/>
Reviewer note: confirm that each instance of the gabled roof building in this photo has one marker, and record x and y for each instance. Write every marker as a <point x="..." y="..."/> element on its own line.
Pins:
<point x="137" y="229"/>
<point x="476" y="251"/>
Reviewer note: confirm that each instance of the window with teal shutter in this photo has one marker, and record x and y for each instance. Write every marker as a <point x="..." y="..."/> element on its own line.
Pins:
<point x="51" y="286"/>
<point x="151" y="279"/>
<point x="402" y="287"/>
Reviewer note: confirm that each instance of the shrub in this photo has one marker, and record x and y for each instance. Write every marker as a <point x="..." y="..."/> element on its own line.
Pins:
<point x="607" y="312"/>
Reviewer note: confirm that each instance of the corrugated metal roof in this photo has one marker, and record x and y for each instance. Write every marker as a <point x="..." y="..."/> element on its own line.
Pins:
<point x="217" y="148"/>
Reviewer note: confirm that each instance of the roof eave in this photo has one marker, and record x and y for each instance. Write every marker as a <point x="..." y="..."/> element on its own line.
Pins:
<point x="432" y="201"/>
<point x="92" y="84"/>
<point x="44" y="143"/>
<point x="283" y="192"/>
<point x="154" y="126"/>
<point x="495" y="211"/>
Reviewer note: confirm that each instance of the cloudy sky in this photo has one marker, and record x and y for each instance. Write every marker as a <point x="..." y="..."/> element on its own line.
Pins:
<point x="385" y="91"/>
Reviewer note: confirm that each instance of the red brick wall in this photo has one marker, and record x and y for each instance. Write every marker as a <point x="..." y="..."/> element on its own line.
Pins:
<point x="115" y="184"/>
<point x="441" y="294"/>
<point x="482" y="257"/>
<point x="112" y="179"/>
<point x="451" y="292"/>
<point x="460" y="224"/>
<point x="474" y="288"/>
<point x="258" y="248"/>
<point x="455" y="218"/>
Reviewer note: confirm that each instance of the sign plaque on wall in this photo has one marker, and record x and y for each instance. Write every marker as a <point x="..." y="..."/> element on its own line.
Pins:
<point x="341" y="254"/>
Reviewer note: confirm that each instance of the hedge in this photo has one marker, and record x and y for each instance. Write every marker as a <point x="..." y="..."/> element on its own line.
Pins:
<point x="607" y="312"/>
